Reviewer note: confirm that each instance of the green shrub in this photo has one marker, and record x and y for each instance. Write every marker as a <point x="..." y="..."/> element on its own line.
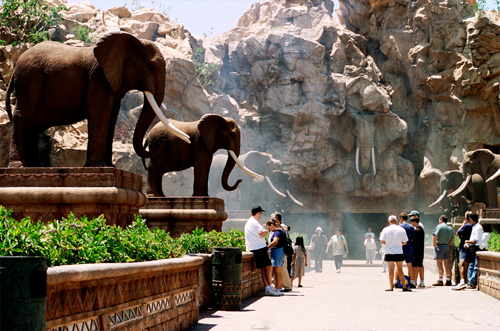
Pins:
<point x="204" y="69"/>
<point x="203" y="242"/>
<point x="28" y="20"/>
<point x="82" y="33"/>
<point x="494" y="242"/>
<point x="76" y="241"/>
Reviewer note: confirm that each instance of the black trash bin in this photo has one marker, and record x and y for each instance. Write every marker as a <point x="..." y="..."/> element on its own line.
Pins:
<point x="226" y="278"/>
<point x="23" y="293"/>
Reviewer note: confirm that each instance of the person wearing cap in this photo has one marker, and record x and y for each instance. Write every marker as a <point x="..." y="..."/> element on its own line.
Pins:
<point x="317" y="245"/>
<point x="418" y="250"/>
<point x="416" y="213"/>
<point x="473" y="245"/>
<point x="394" y="238"/>
<point x="443" y="239"/>
<point x="408" y="249"/>
<point x="255" y="242"/>
<point x="339" y="248"/>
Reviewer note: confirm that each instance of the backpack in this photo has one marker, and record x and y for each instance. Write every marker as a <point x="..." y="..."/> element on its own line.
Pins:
<point x="288" y="249"/>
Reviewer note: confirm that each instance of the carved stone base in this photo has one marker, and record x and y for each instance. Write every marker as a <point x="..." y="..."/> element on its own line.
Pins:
<point x="52" y="193"/>
<point x="179" y="215"/>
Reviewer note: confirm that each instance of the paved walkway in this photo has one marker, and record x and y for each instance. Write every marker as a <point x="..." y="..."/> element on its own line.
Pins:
<point x="355" y="300"/>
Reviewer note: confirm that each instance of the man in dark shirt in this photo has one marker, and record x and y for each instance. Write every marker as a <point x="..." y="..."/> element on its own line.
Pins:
<point x="464" y="234"/>
<point x="408" y="248"/>
<point x="418" y="250"/>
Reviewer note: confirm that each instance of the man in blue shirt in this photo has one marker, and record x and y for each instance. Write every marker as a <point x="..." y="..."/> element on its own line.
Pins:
<point x="408" y="248"/>
<point x="465" y="258"/>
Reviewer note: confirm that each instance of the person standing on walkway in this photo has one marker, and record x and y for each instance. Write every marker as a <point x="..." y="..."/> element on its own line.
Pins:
<point x="394" y="238"/>
<point x="317" y="246"/>
<point x="473" y="245"/>
<point x="418" y="250"/>
<point x="443" y="239"/>
<point x="285" y="277"/>
<point x="255" y="242"/>
<point x="370" y="233"/>
<point x="299" y="260"/>
<point x="339" y="248"/>
<point x="278" y="241"/>
<point x="408" y="248"/>
<point x="371" y="248"/>
<point x="465" y="257"/>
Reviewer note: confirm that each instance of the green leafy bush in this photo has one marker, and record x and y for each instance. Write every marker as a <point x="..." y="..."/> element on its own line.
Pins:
<point x="28" y="20"/>
<point x="203" y="242"/>
<point x="494" y="242"/>
<point x="76" y="241"/>
<point x="83" y="33"/>
<point x="204" y="69"/>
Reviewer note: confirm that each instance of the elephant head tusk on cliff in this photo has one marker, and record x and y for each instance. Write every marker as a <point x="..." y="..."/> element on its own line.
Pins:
<point x="164" y="120"/>
<point x="495" y="175"/>
<point x="373" y="161"/>
<point x="293" y="199"/>
<point x="372" y="152"/>
<point x="242" y="167"/>
<point x="441" y="197"/>
<point x="462" y="187"/>
<point x="273" y="187"/>
<point x="357" y="160"/>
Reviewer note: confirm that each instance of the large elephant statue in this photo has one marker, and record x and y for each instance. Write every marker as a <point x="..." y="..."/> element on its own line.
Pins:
<point x="57" y="84"/>
<point x="169" y="153"/>
<point x="487" y="165"/>
<point x="475" y="191"/>
<point x="260" y="193"/>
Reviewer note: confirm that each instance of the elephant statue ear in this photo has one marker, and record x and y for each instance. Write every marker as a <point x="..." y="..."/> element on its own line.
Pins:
<point x="391" y="129"/>
<point x="209" y="126"/>
<point x="343" y="136"/>
<point x="112" y="51"/>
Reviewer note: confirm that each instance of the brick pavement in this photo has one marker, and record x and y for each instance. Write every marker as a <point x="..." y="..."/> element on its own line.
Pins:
<point x="355" y="300"/>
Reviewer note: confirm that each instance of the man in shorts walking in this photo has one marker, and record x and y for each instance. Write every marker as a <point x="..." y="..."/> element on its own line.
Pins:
<point x="443" y="239"/>
<point x="394" y="237"/>
<point x="255" y="242"/>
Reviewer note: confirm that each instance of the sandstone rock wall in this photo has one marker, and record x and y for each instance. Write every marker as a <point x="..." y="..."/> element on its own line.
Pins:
<point x="401" y="86"/>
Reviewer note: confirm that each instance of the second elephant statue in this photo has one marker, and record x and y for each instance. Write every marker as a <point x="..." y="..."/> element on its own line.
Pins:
<point x="475" y="191"/>
<point x="211" y="133"/>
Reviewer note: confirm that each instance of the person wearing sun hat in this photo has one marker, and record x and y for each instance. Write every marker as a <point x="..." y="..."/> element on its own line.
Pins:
<point x="318" y="247"/>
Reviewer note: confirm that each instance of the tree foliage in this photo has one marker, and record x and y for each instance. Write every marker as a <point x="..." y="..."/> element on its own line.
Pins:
<point x="28" y="20"/>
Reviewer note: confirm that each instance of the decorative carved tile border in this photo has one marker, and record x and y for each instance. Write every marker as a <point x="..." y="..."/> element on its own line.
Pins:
<point x="124" y="316"/>
<point x="88" y="325"/>
<point x="159" y="305"/>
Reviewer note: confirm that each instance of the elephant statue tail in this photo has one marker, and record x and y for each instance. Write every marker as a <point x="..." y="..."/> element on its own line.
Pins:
<point x="7" y="99"/>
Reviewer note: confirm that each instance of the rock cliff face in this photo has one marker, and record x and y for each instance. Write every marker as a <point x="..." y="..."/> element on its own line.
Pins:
<point x="365" y="112"/>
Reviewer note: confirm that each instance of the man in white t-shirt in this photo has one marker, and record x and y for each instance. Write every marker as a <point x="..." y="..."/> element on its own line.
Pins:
<point x="473" y="245"/>
<point x="394" y="237"/>
<point x="255" y="242"/>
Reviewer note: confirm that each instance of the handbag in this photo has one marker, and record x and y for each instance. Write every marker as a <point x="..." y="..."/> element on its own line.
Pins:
<point x="288" y="249"/>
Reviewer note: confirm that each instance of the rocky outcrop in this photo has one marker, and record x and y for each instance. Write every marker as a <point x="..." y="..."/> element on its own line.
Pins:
<point x="371" y="107"/>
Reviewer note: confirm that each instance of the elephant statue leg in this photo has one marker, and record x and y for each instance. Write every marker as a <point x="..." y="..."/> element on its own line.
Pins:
<point x="201" y="171"/>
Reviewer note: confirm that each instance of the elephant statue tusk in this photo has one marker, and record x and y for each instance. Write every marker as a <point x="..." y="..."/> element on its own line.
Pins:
<point x="242" y="167"/>
<point x="494" y="176"/>
<point x="357" y="160"/>
<point x="373" y="161"/>
<point x="441" y="197"/>
<point x="164" y="120"/>
<point x="462" y="187"/>
<point x="293" y="199"/>
<point x="273" y="187"/>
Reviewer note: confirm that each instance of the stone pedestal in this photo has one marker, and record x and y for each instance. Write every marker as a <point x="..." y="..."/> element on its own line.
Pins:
<point x="52" y="193"/>
<point x="179" y="215"/>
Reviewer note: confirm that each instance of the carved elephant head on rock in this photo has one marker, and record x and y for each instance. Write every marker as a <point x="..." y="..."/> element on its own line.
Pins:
<point x="367" y="134"/>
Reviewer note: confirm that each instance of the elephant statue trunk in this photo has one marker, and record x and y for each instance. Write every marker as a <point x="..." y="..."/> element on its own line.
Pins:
<point x="231" y="161"/>
<point x="441" y="197"/>
<point x="150" y="108"/>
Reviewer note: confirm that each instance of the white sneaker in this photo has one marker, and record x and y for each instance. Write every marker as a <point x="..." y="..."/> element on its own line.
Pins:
<point x="272" y="292"/>
<point x="421" y="284"/>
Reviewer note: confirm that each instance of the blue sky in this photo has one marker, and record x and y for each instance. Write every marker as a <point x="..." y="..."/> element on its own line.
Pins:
<point x="199" y="16"/>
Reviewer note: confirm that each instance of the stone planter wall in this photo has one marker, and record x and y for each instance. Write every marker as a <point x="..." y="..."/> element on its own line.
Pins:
<point x="156" y="295"/>
<point x="489" y="273"/>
